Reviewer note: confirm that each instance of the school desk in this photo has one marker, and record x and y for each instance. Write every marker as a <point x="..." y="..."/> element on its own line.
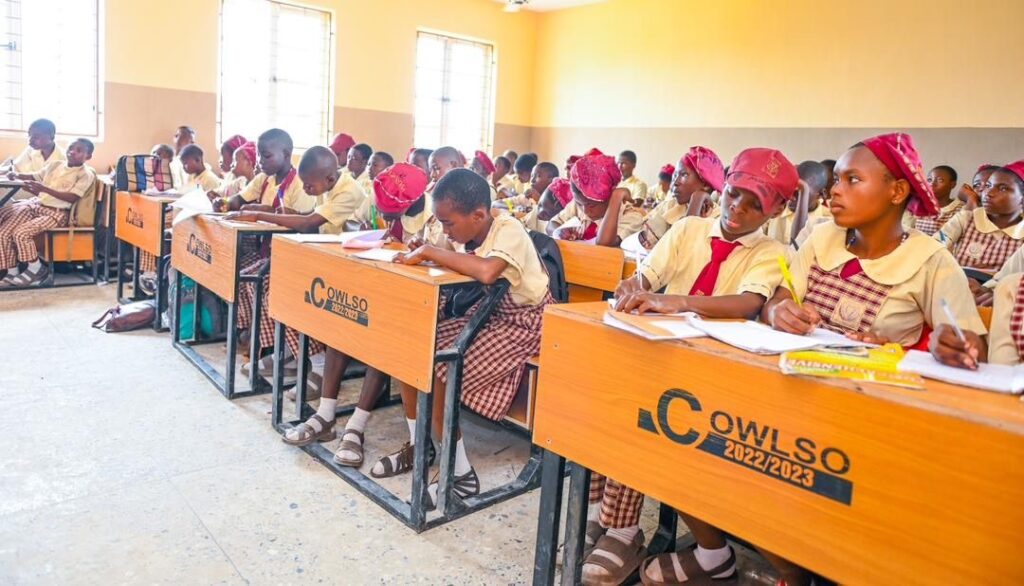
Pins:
<point x="209" y="250"/>
<point x="140" y="223"/>
<point x="384" y="315"/>
<point x="859" y="482"/>
<point x="12" y="188"/>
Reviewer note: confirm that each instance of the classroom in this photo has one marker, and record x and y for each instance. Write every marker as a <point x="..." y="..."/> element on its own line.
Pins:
<point x="664" y="292"/>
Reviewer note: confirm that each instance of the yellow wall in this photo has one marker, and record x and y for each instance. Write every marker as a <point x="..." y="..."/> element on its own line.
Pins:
<point x="782" y="63"/>
<point x="376" y="48"/>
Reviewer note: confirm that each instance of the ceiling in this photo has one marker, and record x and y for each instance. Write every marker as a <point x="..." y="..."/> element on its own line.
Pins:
<point x="549" y="5"/>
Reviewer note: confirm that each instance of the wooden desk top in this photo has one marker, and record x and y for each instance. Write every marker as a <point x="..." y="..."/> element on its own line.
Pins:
<point x="140" y="220"/>
<point x="863" y="483"/>
<point x="993" y="409"/>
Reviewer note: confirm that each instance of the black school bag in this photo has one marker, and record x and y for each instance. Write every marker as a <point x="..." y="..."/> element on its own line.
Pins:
<point x="547" y="250"/>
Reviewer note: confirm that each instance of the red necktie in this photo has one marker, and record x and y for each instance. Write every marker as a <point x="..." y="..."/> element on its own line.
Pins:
<point x="590" y="232"/>
<point x="705" y="283"/>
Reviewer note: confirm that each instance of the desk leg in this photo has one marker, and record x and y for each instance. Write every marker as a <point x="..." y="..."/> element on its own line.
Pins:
<point x="300" y="375"/>
<point x="664" y="539"/>
<point x="176" y="322"/>
<point x="158" y="297"/>
<point x="229" y="369"/>
<point x="551" y="483"/>
<point x="135" y="274"/>
<point x="575" y="525"/>
<point x="446" y="472"/>
<point x="254" y="335"/>
<point x="417" y="506"/>
<point x="120" y="271"/>
<point x="277" y="399"/>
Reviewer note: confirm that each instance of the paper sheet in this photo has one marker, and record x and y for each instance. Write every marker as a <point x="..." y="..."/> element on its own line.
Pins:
<point x="760" y="339"/>
<point x="318" y="238"/>
<point x="378" y="254"/>
<point x="191" y="204"/>
<point x="990" y="377"/>
<point x="363" y="240"/>
<point x="674" y="329"/>
<point x="631" y="245"/>
<point x="613" y="301"/>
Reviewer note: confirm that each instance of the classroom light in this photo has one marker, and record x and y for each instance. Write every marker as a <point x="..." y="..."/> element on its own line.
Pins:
<point x="515" y="5"/>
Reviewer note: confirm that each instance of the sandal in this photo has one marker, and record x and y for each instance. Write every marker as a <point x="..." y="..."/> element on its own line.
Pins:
<point x="348" y="445"/>
<point x="695" y="574"/>
<point x="463" y="487"/>
<point x="404" y="457"/>
<point x="593" y="532"/>
<point x="308" y="435"/>
<point x="618" y="559"/>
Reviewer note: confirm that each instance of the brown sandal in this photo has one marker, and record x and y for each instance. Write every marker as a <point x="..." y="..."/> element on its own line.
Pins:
<point x="593" y="532"/>
<point x="404" y="461"/>
<point x="348" y="445"/>
<point x="631" y="554"/>
<point x="308" y="435"/>
<point x="695" y="574"/>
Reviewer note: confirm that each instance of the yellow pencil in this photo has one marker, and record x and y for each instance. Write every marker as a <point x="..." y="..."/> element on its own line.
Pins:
<point x="788" y="278"/>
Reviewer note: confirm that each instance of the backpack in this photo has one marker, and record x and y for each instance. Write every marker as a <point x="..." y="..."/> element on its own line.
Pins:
<point x="551" y="258"/>
<point x="127" y="317"/>
<point x="141" y="172"/>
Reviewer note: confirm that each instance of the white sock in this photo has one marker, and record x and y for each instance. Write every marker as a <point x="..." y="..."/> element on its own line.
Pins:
<point x="462" y="466"/>
<point x="324" y="410"/>
<point x="594" y="512"/>
<point x="625" y="535"/>
<point x="357" y="422"/>
<point x="710" y="558"/>
<point x="34" y="265"/>
<point x="412" y="430"/>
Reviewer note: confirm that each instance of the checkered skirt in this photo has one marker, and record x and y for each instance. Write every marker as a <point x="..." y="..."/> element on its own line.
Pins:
<point x="1017" y="321"/>
<point x="933" y="224"/>
<point x="845" y="305"/>
<point x="982" y="251"/>
<point x="494" y="363"/>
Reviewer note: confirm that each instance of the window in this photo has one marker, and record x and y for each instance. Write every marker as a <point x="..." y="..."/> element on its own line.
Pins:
<point x="275" y="70"/>
<point x="49" y="57"/>
<point x="454" y="93"/>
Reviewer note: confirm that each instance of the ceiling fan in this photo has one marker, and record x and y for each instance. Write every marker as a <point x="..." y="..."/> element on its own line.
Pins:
<point x="515" y="5"/>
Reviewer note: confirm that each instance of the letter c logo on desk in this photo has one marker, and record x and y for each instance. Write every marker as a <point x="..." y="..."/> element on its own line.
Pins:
<point x="338" y="302"/>
<point x="755" y="445"/>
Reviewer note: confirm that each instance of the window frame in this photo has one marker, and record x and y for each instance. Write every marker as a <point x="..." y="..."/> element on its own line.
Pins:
<point x="332" y="67"/>
<point x="491" y="104"/>
<point x="100" y="95"/>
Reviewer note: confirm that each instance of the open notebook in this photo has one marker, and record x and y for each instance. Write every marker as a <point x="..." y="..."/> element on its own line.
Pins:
<point x="760" y="339"/>
<point x="989" y="377"/>
<point x="653" y="326"/>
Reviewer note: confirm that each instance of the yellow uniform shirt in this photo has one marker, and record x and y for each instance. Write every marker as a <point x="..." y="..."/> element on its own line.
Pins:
<point x="532" y="222"/>
<point x="31" y="160"/>
<point x="920" y="272"/>
<point x="1001" y="347"/>
<point x="179" y="178"/>
<point x="363" y="181"/>
<point x="637" y="188"/>
<point x="58" y="176"/>
<point x="656" y="193"/>
<point x="954" y="229"/>
<point x="781" y="228"/>
<point x="1012" y="266"/>
<point x="509" y="241"/>
<point x="631" y="219"/>
<point x="206" y="181"/>
<point x="264" y="189"/>
<point x="678" y="258"/>
<point x="339" y="204"/>
<point x="231" y="185"/>
<point x="505" y="181"/>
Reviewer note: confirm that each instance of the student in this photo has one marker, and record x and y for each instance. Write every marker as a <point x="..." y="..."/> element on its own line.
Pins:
<point x="501" y="178"/>
<point x="521" y="180"/>
<point x="984" y="238"/>
<point x="970" y="195"/>
<point x="357" y="165"/>
<point x="1005" y="340"/>
<point x="378" y="162"/>
<point x="637" y="188"/>
<point x="511" y="156"/>
<point x="598" y="206"/>
<point x="56" y="187"/>
<point x="243" y="169"/>
<point x="487" y="249"/>
<point x="41" y="149"/>
<point x="227" y="155"/>
<point x="722" y="268"/>
<point x="788" y="226"/>
<point x="277" y="187"/>
<point x="420" y="158"/>
<point x="865" y="275"/>
<point x="657" y="193"/>
<point x="542" y="176"/>
<point x="164" y="152"/>
<point x="942" y="179"/>
<point x="396" y="190"/>
<point x="484" y="167"/>
<point x="340" y="146"/>
<point x="336" y="197"/>
<point x="553" y="200"/>
<point x="183" y="136"/>
<point x="699" y="170"/>
<point x="441" y="162"/>
<point x="198" y="172"/>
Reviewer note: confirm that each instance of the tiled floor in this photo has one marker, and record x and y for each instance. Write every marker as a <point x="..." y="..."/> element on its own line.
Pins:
<point x="122" y="464"/>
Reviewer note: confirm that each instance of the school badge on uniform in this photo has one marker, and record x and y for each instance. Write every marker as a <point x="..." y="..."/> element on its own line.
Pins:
<point x="849" y="313"/>
<point x="975" y="249"/>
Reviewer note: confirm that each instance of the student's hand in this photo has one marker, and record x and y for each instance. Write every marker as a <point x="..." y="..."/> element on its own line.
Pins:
<point x="256" y="207"/>
<point x="566" y="233"/>
<point x="645" y="301"/>
<point x="969" y="196"/>
<point x="212" y="195"/>
<point x="419" y="255"/>
<point x="220" y="204"/>
<point x="787" y="316"/>
<point x="245" y="216"/>
<point x="11" y="175"/>
<point x="627" y="287"/>
<point x="416" y="242"/>
<point x="868" y="338"/>
<point x="33" y="187"/>
<point x="983" y="296"/>
<point x="948" y="349"/>
<point x="699" y="201"/>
